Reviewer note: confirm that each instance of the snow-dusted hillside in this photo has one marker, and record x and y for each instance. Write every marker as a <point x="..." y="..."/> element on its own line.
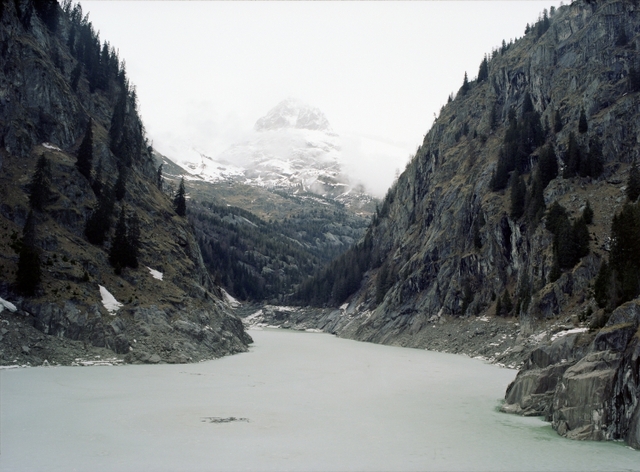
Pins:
<point x="291" y="148"/>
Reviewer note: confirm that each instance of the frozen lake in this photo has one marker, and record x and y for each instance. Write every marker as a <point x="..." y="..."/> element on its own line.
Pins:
<point x="302" y="401"/>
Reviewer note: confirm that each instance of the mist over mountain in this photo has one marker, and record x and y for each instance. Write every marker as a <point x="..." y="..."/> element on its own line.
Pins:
<point x="293" y="146"/>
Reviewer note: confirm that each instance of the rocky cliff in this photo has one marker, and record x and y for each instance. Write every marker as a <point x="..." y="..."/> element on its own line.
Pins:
<point x="449" y="244"/>
<point x="56" y="81"/>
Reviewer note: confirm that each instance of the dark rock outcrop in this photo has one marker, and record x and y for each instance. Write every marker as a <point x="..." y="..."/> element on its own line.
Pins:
<point x="49" y="90"/>
<point x="587" y="390"/>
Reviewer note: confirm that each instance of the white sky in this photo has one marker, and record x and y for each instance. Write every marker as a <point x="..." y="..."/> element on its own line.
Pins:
<point x="206" y="71"/>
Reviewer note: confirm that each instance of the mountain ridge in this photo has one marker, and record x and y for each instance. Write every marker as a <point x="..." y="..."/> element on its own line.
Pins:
<point x="61" y="89"/>
<point x="467" y="229"/>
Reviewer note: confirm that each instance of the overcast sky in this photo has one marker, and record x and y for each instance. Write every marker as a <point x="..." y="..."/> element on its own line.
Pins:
<point x="206" y="71"/>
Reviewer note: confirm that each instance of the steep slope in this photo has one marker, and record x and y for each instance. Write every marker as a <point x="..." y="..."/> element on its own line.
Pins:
<point x="260" y="243"/>
<point x="56" y="82"/>
<point x="453" y="238"/>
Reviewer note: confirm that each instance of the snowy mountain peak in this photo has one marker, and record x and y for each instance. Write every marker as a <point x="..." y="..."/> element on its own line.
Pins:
<point x="293" y="113"/>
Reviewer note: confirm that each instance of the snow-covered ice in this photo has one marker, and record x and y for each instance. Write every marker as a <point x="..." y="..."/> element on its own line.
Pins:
<point x="109" y="301"/>
<point x="295" y="401"/>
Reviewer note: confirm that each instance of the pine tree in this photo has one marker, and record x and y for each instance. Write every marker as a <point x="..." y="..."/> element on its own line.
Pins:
<point x="622" y="39"/>
<point x="557" y="122"/>
<point x="118" y="251"/>
<point x="581" y="238"/>
<point x="99" y="222"/>
<point x="493" y="117"/>
<point x="29" y="273"/>
<point x="583" y="126"/>
<point x="587" y="214"/>
<point x="534" y="203"/>
<point x="483" y="73"/>
<point x="548" y="165"/>
<point x="499" y="307"/>
<point x="602" y="285"/>
<point x="527" y="104"/>
<point x="465" y="86"/>
<point x="633" y="183"/>
<point x="48" y="11"/>
<point x="572" y="160"/>
<point x="97" y="184"/>
<point x="593" y="166"/>
<point x="180" y="200"/>
<point x="507" y="304"/>
<point x="133" y="241"/>
<point x="121" y="183"/>
<point x="85" y="152"/>
<point x="39" y="186"/>
<point x="159" y="178"/>
<point x="634" y="79"/>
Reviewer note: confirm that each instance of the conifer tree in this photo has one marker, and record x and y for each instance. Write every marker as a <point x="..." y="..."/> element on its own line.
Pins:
<point x="557" y="122"/>
<point x="159" y="178"/>
<point x="465" y="86"/>
<point x="581" y="238"/>
<point x="493" y="118"/>
<point x="48" y="11"/>
<point x="583" y="126"/>
<point x="572" y="160"/>
<point x="121" y="182"/>
<point x="592" y="166"/>
<point x="119" y="250"/>
<point x="97" y="184"/>
<point x="587" y="213"/>
<point x="180" y="200"/>
<point x="29" y="273"/>
<point x="633" y="183"/>
<point x="634" y="79"/>
<point x="483" y="73"/>
<point x="99" y="222"/>
<point x="507" y="304"/>
<point x="602" y="285"/>
<point x="133" y="241"/>
<point x="548" y="165"/>
<point x="85" y="152"/>
<point x="622" y="39"/>
<point x="39" y="186"/>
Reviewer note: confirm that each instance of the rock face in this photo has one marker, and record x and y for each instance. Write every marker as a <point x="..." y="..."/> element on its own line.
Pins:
<point x="588" y="390"/>
<point x="48" y="93"/>
<point x="444" y="245"/>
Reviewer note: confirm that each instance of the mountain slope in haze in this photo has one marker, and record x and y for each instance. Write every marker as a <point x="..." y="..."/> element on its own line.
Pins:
<point x="292" y="148"/>
<point x="260" y="243"/>
<point x="69" y="116"/>
<point x="507" y="210"/>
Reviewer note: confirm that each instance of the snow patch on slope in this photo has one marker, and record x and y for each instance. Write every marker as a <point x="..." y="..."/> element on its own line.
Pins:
<point x="109" y="301"/>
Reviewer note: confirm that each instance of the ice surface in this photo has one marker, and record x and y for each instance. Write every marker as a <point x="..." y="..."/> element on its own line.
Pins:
<point x="297" y="401"/>
<point x="109" y="301"/>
